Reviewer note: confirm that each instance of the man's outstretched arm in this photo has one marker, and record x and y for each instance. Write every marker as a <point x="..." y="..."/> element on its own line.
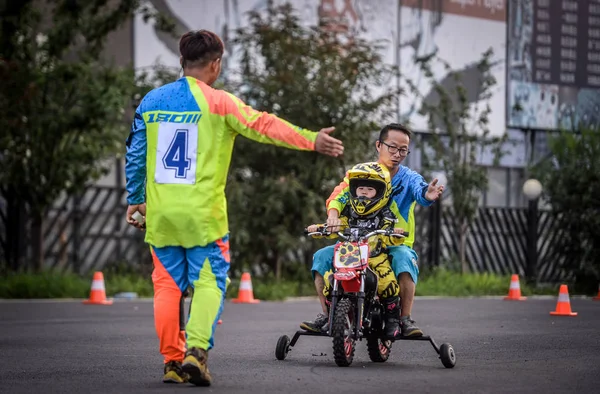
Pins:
<point x="268" y="128"/>
<point x="424" y="193"/>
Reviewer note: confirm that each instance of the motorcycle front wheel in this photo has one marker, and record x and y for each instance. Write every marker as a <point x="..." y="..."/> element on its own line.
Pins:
<point x="342" y="331"/>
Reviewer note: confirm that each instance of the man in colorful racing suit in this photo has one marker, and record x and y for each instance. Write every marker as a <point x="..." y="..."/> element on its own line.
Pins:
<point x="178" y="155"/>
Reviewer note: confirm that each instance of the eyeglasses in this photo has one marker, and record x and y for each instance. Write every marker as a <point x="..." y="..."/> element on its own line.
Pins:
<point x="394" y="149"/>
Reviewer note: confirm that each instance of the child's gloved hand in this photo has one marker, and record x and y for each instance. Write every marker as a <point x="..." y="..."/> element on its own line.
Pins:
<point x="398" y="231"/>
<point x="312" y="228"/>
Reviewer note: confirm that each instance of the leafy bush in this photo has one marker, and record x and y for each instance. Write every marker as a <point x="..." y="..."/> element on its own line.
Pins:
<point x="571" y="181"/>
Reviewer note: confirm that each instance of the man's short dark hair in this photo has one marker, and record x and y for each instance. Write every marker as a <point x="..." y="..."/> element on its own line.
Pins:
<point x="393" y="126"/>
<point x="200" y="47"/>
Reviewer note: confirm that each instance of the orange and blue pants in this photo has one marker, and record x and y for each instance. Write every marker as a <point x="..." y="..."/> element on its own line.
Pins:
<point x="205" y="269"/>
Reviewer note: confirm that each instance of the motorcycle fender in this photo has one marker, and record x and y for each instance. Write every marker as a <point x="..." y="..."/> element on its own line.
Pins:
<point x="344" y="275"/>
<point x="351" y="285"/>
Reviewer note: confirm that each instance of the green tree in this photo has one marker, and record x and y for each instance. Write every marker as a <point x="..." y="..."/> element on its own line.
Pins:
<point x="63" y="104"/>
<point x="460" y="134"/>
<point x="571" y="180"/>
<point x="307" y="76"/>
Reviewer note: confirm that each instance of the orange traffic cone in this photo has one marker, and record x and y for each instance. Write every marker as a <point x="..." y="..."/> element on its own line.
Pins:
<point x="98" y="293"/>
<point x="597" y="298"/>
<point x="563" y="305"/>
<point x="514" y="290"/>
<point x="245" y="293"/>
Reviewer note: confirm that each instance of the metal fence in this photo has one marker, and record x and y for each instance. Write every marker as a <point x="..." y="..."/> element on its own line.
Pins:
<point x="497" y="241"/>
<point x="89" y="232"/>
<point x="80" y="233"/>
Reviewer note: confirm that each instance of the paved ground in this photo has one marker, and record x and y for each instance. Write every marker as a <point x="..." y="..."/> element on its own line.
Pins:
<point x="501" y="347"/>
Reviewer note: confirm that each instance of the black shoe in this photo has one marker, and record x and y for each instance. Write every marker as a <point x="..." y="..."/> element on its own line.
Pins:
<point x="392" y="318"/>
<point x="409" y="328"/>
<point x="392" y="328"/>
<point x="316" y="325"/>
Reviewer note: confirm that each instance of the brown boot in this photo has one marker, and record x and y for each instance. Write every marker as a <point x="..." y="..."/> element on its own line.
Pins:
<point x="195" y="365"/>
<point x="173" y="373"/>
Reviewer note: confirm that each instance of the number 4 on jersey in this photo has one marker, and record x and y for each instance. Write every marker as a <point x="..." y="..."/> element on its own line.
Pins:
<point x="176" y="156"/>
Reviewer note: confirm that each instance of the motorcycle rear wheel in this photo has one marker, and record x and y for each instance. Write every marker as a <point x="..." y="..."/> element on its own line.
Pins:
<point x="379" y="349"/>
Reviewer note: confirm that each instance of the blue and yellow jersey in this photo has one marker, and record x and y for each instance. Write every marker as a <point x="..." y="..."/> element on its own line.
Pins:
<point x="178" y="156"/>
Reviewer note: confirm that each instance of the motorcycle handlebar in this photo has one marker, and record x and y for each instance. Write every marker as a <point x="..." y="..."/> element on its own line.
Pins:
<point x="322" y="231"/>
<point x="388" y="233"/>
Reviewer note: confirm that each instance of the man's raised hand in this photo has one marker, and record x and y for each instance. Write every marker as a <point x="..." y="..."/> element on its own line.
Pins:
<point x="327" y="145"/>
<point x="434" y="191"/>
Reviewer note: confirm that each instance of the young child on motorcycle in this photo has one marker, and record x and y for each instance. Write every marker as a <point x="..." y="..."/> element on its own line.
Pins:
<point x="369" y="208"/>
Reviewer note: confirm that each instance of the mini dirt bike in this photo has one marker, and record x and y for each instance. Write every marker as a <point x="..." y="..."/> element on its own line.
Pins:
<point x="356" y="312"/>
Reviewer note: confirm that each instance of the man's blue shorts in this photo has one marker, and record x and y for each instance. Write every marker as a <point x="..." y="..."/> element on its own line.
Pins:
<point x="404" y="259"/>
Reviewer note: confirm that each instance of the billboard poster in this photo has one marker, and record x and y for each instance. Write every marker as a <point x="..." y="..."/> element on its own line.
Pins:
<point x="402" y="29"/>
<point x="460" y="31"/>
<point x="553" y="64"/>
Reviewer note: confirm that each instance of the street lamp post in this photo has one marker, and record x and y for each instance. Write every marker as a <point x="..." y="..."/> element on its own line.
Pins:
<point x="532" y="189"/>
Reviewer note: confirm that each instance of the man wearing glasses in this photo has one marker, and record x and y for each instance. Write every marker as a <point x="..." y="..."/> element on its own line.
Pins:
<point x="408" y="188"/>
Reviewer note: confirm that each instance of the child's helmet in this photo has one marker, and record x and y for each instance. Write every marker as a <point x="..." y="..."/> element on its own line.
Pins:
<point x="373" y="175"/>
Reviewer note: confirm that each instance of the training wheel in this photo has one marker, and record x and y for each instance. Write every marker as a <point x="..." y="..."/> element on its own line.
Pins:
<point x="447" y="355"/>
<point x="283" y="347"/>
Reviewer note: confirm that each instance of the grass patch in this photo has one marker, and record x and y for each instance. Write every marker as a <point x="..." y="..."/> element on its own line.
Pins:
<point x="437" y="282"/>
<point x="444" y="282"/>
<point x="273" y="290"/>
<point x="47" y="284"/>
<point x="54" y="284"/>
<point x="129" y="282"/>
